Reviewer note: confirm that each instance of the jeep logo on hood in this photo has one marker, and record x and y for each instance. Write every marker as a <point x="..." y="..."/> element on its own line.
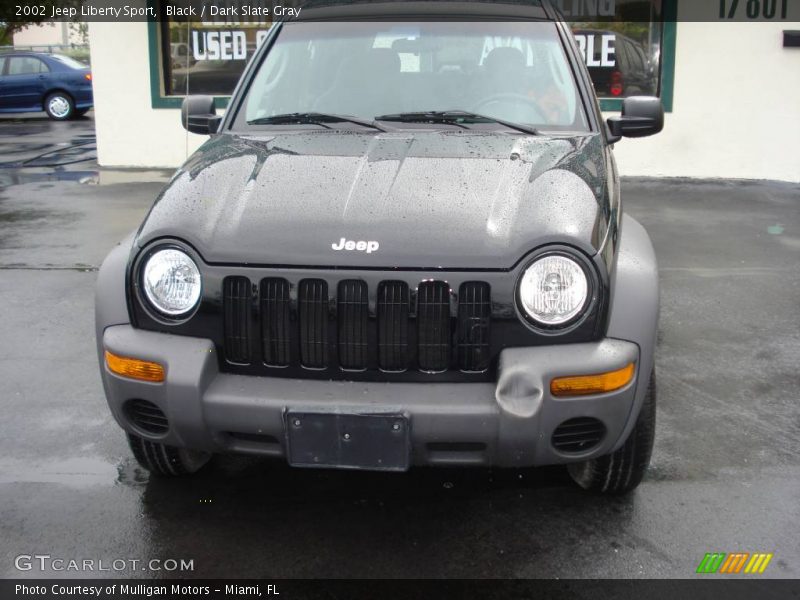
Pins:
<point x="359" y="246"/>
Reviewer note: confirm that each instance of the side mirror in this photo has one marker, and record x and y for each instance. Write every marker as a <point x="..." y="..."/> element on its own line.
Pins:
<point x="641" y="116"/>
<point x="199" y="115"/>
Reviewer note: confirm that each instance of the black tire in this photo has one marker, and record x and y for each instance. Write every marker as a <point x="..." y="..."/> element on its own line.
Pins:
<point x="622" y="471"/>
<point x="59" y="106"/>
<point x="164" y="460"/>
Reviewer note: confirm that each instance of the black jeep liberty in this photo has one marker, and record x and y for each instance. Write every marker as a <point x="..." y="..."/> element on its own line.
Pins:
<point x="403" y="244"/>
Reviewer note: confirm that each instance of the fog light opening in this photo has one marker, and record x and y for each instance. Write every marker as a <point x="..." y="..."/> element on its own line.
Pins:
<point x="146" y="416"/>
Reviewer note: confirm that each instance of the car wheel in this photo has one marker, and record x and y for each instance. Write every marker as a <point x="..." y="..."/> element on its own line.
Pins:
<point x="621" y="471"/>
<point x="164" y="460"/>
<point x="59" y="106"/>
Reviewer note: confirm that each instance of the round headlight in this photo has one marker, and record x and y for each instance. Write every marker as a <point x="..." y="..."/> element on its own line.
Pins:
<point x="171" y="282"/>
<point x="553" y="290"/>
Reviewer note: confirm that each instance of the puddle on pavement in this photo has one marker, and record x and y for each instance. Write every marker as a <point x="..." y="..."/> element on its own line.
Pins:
<point x="10" y="177"/>
<point x="79" y="149"/>
<point x="14" y="147"/>
<point x="74" y="159"/>
<point x="77" y="472"/>
<point x="70" y="153"/>
<point x="18" y="128"/>
<point x="130" y="473"/>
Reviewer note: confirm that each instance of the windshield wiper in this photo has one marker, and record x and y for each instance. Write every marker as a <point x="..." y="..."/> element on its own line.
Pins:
<point x="453" y="117"/>
<point x="431" y="116"/>
<point x="314" y="118"/>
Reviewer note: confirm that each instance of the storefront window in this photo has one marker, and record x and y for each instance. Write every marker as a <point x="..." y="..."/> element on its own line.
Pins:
<point x="207" y="56"/>
<point x="622" y="42"/>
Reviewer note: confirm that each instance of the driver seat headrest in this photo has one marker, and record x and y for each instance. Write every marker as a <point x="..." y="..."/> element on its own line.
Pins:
<point x="504" y="58"/>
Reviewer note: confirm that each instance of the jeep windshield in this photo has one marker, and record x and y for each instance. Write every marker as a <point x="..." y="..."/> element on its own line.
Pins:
<point x="468" y="75"/>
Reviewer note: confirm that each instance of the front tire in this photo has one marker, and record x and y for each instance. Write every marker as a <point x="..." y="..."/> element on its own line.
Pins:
<point x="166" y="461"/>
<point x="59" y="106"/>
<point x="622" y="471"/>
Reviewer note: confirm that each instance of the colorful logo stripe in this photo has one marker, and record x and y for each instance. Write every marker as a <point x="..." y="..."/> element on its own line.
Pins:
<point x="734" y="563"/>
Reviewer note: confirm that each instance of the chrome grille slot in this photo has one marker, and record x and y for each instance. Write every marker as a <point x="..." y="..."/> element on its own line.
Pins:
<point x="353" y="314"/>
<point x="236" y="308"/>
<point x="275" y="322"/>
<point x="393" y="312"/>
<point x="313" y="314"/>
<point x="474" y="312"/>
<point x="433" y="325"/>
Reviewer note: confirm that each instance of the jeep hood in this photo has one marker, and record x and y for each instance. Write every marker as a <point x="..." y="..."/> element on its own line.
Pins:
<point x="461" y="200"/>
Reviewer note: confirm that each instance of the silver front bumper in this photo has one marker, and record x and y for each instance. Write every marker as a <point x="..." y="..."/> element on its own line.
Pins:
<point x="507" y="423"/>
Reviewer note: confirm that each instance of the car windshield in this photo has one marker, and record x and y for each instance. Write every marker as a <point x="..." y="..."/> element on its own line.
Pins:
<point x="70" y="62"/>
<point x="516" y="72"/>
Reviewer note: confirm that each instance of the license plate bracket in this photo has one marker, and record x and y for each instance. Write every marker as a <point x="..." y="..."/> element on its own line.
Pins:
<point x="378" y="442"/>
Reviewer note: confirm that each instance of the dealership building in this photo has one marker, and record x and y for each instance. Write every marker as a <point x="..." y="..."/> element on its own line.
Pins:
<point x="730" y="83"/>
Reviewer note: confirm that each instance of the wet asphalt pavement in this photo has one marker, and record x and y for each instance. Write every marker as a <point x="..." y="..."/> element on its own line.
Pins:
<point x="725" y="473"/>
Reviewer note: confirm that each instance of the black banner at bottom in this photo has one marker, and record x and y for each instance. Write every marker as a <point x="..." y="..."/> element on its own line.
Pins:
<point x="355" y="589"/>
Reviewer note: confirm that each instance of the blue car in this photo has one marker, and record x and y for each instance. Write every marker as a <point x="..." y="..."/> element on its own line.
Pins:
<point x="33" y="81"/>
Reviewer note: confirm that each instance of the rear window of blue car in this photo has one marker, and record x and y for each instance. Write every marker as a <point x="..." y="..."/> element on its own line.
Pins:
<point x="26" y="65"/>
<point x="70" y="62"/>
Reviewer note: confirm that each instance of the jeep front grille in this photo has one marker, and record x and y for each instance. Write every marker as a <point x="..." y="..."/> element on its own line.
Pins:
<point x="237" y="294"/>
<point x="313" y="304"/>
<point x="353" y="305"/>
<point x="393" y="311"/>
<point x="350" y="326"/>
<point x="474" y="315"/>
<point x="275" y="322"/>
<point x="433" y="323"/>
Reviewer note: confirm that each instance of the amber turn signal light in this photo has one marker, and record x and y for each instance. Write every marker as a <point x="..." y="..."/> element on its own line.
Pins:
<point x="135" y="368"/>
<point x="583" y="385"/>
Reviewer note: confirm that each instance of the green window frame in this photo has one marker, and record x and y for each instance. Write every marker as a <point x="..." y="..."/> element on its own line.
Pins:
<point x="157" y="97"/>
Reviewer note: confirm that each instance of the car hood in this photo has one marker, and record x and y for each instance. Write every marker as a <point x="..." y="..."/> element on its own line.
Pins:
<point x="432" y="200"/>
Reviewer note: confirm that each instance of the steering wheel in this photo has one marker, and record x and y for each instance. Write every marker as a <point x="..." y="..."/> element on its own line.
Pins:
<point x="533" y="115"/>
